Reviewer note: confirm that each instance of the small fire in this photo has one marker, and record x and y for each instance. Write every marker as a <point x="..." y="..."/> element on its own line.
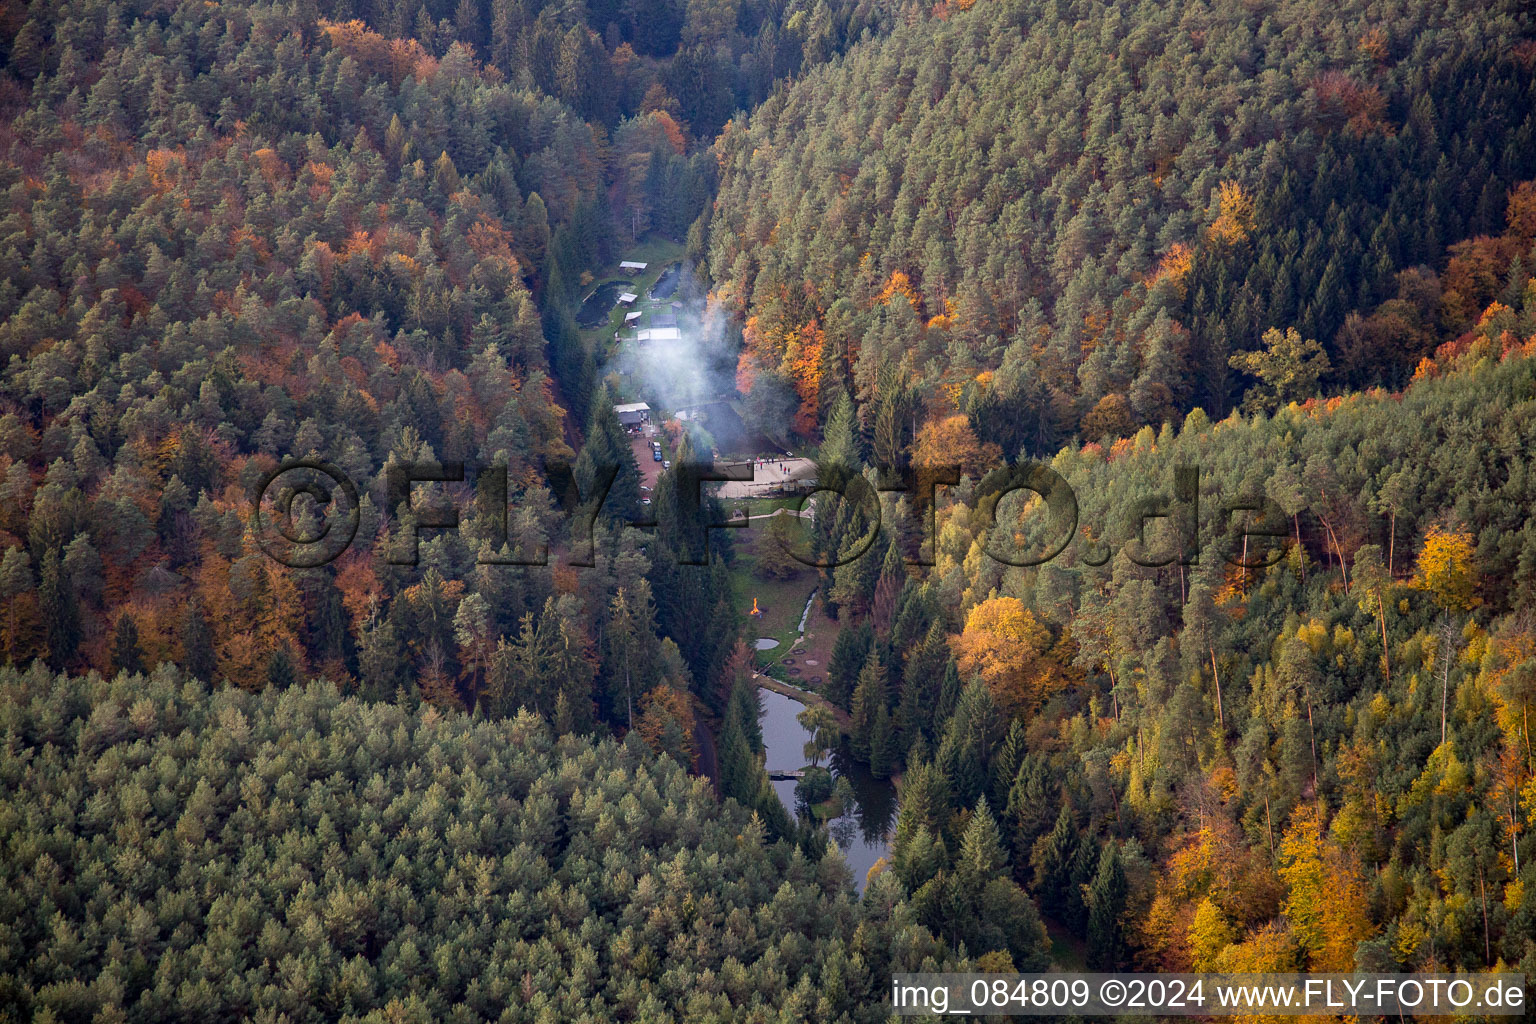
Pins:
<point x="754" y="607"/>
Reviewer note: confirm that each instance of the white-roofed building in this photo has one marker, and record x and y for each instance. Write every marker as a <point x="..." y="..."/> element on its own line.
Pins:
<point x="631" y="267"/>
<point x="632" y="319"/>
<point x="628" y="299"/>
<point x="650" y="334"/>
<point x="633" y="413"/>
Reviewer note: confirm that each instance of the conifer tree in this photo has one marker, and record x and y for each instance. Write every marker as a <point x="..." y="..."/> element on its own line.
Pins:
<point x="127" y="656"/>
<point x="60" y="611"/>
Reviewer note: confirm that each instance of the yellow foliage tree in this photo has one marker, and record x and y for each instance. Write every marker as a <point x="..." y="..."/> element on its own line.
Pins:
<point x="1209" y="935"/>
<point x="1326" y="899"/>
<point x="1234" y="213"/>
<point x="1005" y="645"/>
<point x="1445" y="569"/>
<point x="1269" y="950"/>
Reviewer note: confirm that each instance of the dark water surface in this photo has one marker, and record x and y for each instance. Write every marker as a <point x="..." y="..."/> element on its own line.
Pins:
<point x="594" y="312"/>
<point x="863" y="834"/>
<point x="667" y="283"/>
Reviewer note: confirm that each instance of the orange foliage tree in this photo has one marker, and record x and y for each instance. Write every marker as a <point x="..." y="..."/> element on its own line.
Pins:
<point x="666" y="724"/>
<point x="1175" y="264"/>
<point x="1005" y="645"/>
<point x="760" y="348"/>
<point x="1522" y="211"/>
<point x="897" y="284"/>
<point x="1326" y="903"/>
<point x="803" y="361"/>
<point x="950" y="441"/>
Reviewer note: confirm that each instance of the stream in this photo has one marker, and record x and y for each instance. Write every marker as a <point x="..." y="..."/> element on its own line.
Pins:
<point x="864" y="831"/>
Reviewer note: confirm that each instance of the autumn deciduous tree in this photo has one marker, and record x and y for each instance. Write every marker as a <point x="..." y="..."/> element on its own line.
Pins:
<point x="1445" y="569"/>
<point x="1210" y="933"/>
<point x="1005" y="645"/>
<point x="952" y="442"/>
<point x="1288" y="365"/>
<point x="1326" y="903"/>
<point x="1270" y="949"/>
<point x="1111" y="417"/>
<point x="803" y="362"/>
<point x="1234" y="213"/>
<point x="666" y="724"/>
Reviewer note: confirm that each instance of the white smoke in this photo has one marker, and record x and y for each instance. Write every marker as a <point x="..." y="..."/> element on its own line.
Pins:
<point x="679" y="375"/>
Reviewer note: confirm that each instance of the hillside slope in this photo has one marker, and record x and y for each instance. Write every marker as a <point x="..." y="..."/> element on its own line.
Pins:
<point x="1024" y="210"/>
<point x="172" y="853"/>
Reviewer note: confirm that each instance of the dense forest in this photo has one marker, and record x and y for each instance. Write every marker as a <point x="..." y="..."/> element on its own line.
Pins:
<point x="1232" y="745"/>
<point x="1271" y="717"/>
<point x="613" y="59"/>
<point x="173" y="853"/>
<point x="1253" y="281"/>
<point x="1062" y="219"/>
<point x="233" y="238"/>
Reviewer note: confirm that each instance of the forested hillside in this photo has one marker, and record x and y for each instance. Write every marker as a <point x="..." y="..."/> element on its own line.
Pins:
<point x="238" y="234"/>
<point x="234" y="235"/>
<point x="455" y="772"/>
<point x="612" y="59"/>
<point x="1288" y="247"/>
<point x="172" y="853"/>
<point x="1062" y="219"/>
<point x="1290" y="738"/>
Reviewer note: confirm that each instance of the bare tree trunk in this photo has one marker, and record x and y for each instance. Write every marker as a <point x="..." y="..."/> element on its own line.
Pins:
<point x="1300" y="551"/>
<point x="1445" y="678"/>
<point x="1391" y="542"/>
<point x="1525" y="715"/>
<point x="1314" y="731"/>
<point x="1483" y="887"/>
<point x="1220" y="718"/>
<point x="1114" y="697"/>
<point x="1386" y="660"/>
<point x="1514" y="829"/>
<point x="1338" y="551"/>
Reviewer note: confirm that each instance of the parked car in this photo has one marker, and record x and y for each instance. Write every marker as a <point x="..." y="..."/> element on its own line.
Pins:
<point x="656" y="455"/>
<point x="666" y="464"/>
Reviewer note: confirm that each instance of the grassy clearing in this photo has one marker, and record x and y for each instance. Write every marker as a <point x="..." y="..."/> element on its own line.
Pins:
<point x="781" y="601"/>
<point x="655" y="250"/>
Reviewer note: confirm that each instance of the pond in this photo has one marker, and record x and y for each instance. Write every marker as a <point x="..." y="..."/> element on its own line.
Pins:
<point x="864" y="832"/>
<point x="594" y="312"/>
<point x="765" y="643"/>
<point x="667" y="283"/>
